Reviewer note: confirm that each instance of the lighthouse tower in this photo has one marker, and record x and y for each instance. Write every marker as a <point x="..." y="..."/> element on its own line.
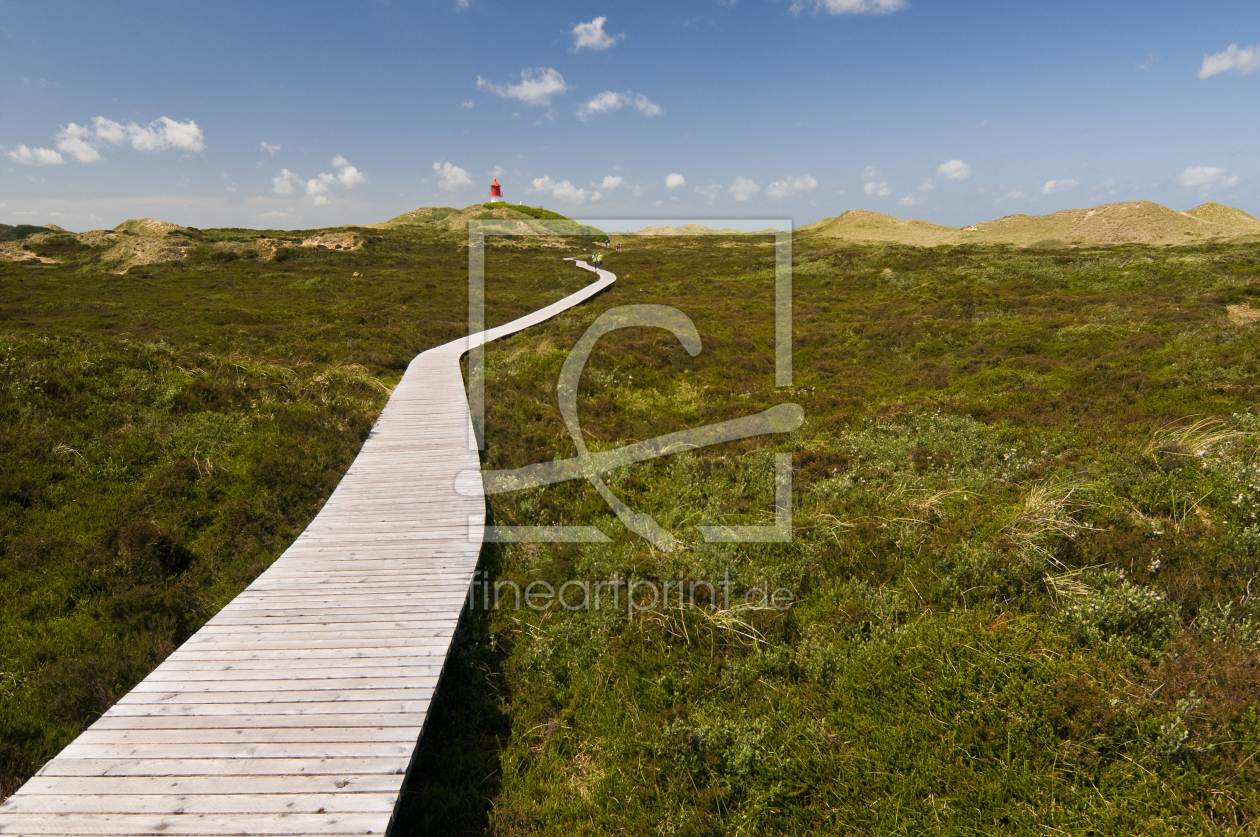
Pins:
<point x="496" y="191"/>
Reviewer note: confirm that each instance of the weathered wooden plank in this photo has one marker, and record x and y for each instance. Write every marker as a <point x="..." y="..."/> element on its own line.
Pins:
<point x="317" y="656"/>
<point x="419" y="703"/>
<point x="169" y="673"/>
<point x="191" y="786"/>
<point x="287" y="683"/>
<point x="201" y="803"/>
<point x="183" y="750"/>
<point x="231" y="735"/>
<point x="266" y="697"/>
<point x="226" y="767"/>
<point x="405" y="619"/>
<point x="195" y="824"/>
<point x="265" y="643"/>
<point x="347" y="721"/>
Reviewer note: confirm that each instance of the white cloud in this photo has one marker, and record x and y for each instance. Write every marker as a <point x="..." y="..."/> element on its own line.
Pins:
<point x="81" y="141"/>
<point x="73" y="140"/>
<point x="646" y="106"/>
<point x="609" y="101"/>
<point x="955" y="170"/>
<point x="162" y="134"/>
<point x="874" y="186"/>
<point x="269" y="148"/>
<point x="927" y="186"/>
<point x="1232" y="60"/>
<point x="36" y="156"/>
<point x="469" y="104"/>
<point x="613" y="181"/>
<point x="564" y="190"/>
<point x="282" y="183"/>
<point x="743" y="188"/>
<point x="790" y="186"/>
<point x="851" y="7"/>
<point x="911" y="200"/>
<point x="451" y="177"/>
<point x="286" y="182"/>
<point x="592" y="35"/>
<point x="1208" y="178"/>
<point x="673" y="181"/>
<point x="1053" y="187"/>
<point x="709" y="193"/>
<point x="347" y="177"/>
<point x="536" y="87"/>
<point x="601" y="103"/>
<point x="350" y="176"/>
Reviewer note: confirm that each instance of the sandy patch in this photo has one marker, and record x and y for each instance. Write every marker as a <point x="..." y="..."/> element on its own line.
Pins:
<point x="1242" y="314"/>
<point x="333" y="241"/>
<point x="11" y="251"/>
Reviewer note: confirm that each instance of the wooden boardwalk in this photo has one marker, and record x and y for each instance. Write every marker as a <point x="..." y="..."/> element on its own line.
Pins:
<point x="297" y="708"/>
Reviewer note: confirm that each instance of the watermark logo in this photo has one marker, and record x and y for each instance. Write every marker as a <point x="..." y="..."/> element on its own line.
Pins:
<point x="781" y="418"/>
<point x="629" y="595"/>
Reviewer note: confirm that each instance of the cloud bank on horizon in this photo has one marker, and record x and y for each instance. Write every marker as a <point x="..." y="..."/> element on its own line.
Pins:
<point x="754" y="108"/>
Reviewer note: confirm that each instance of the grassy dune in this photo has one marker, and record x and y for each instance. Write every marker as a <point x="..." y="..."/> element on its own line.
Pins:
<point x="1025" y="546"/>
<point x="1136" y="222"/>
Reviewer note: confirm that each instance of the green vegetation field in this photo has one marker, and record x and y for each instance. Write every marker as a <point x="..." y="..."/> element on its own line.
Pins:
<point x="1025" y="543"/>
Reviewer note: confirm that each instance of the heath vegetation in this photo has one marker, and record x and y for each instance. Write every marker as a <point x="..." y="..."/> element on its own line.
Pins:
<point x="1025" y="521"/>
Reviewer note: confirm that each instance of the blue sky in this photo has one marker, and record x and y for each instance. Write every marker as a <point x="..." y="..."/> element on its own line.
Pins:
<point x="305" y="114"/>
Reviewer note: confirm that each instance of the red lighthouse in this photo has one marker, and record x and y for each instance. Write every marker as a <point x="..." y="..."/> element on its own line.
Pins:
<point x="496" y="191"/>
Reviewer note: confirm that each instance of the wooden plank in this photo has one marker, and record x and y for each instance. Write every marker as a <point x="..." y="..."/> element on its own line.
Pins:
<point x="183" y="750"/>
<point x="419" y="704"/>
<point x="227" y="735"/>
<point x="317" y="656"/>
<point x="226" y="767"/>
<point x="168" y="673"/>
<point x="195" y="824"/>
<point x="268" y="697"/>
<point x="192" y="786"/>
<point x="405" y="620"/>
<point x="185" y="803"/>
<point x="347" y="722"/>
<point x="288" y="683"/>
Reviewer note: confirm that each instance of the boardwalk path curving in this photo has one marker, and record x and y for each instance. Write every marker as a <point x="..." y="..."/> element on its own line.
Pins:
<point x="297" y="708"/>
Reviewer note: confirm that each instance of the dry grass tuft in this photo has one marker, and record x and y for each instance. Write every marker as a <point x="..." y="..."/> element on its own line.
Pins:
<point x="1044" y="516"/>
<point x="1195" y="439"/>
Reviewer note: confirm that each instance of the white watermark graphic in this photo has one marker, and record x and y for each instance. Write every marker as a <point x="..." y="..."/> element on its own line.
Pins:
<point x="781" y="418"/>
<point x="629" y="595"/>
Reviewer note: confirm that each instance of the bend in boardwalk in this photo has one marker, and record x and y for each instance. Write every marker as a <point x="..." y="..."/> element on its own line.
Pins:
<point x="297" y="708"/>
